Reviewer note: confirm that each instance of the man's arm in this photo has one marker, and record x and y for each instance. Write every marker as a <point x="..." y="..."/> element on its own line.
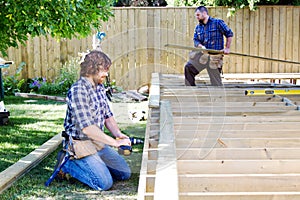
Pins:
<point x="95" y="133"/>
<point x="227" y="45"/>
<point x="112" y="126"/>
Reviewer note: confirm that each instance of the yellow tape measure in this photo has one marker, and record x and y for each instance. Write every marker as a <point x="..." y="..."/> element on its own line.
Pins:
<point x="273" y="92"/>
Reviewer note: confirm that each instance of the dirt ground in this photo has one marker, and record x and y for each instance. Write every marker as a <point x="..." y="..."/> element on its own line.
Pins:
<point x="129" y="113"/>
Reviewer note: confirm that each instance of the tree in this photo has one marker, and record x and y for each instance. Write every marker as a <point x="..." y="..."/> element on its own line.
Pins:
<point x="57" y="18"/>
<point x="234" y="4"/>
<point x="140" y="3"/>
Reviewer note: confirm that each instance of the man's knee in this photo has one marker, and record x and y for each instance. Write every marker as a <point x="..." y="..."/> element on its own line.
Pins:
<point x="102" y="183"/>
<point x="188" y="68"/>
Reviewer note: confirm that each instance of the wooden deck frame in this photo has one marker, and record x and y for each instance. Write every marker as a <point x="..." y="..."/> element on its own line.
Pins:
<point x="249" y="150"/>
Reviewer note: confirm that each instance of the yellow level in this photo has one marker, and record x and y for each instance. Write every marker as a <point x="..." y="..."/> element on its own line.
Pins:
<point x="273" y="92"/>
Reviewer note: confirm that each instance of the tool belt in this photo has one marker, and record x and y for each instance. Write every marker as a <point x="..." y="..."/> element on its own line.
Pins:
<point x="216" y="61"/>
<point x="81" y="148"/>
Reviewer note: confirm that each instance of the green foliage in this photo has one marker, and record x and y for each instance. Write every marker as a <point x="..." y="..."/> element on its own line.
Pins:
<point x="58" y="18"/>
<point x="69" y="73"/>
<point x="33" y="122"/>
<point x="13" y="83"/>
<point x="234" y="4"/>
<point x="67" y="76"/>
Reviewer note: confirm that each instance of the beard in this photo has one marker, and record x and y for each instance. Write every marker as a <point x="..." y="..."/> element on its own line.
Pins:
<point x="201" y="21"/>
<point x="97" y="80"/>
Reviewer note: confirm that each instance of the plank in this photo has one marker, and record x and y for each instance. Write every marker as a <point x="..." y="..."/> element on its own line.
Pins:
<point x="296" y="39"/>
<point x="143" y="183"/>
<point x="154" y="95"/>
<point x="131" y="36"/>
<point x="250" y="134"/>
<point x="239" y="195"/>
<point x="289" y="37"/>
<point x="238" y="153"/>
<point x="166" y="185"/>
<point x="246" y="183"/>
<point x="284" y="126"/>
<point x="25" y="164"/>
<point x="238" y="167"/>
<point x="203" y="142"/>
<point x="208" y="98"/>
<point x="275" y="38"/>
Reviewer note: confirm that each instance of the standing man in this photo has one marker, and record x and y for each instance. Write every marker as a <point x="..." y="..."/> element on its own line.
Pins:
<point x="87" y="114"/>
<point x="209" y="34"/>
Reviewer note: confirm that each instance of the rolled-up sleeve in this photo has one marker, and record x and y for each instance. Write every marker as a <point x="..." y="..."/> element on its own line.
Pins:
<point x="226" y="31"/>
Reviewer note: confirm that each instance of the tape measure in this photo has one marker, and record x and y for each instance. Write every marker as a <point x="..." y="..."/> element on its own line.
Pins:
<point x="273" y="92"/>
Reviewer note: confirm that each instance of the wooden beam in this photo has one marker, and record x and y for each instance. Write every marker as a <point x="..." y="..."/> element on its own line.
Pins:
<point x="238" y="142"/>
<point x="236" y="119"/>
<point x="239" y="183"/>
<point x="166" y="183"/>
<point x="239" y="195"/>
<point x="154" y="96"/>
<point x="238" y="167"/>
<point x="238" y="153"/>
<point x="221" y="126"/>
<point x="250" y="134"/>
<point x="20" y="168"/>
<point x="144" y="182"/>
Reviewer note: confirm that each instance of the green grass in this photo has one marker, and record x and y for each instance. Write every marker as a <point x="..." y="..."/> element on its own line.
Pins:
<point x="33" y="122"/>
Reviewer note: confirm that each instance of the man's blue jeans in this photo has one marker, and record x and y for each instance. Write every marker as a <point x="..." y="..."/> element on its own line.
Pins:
<point x="99" y="170"/>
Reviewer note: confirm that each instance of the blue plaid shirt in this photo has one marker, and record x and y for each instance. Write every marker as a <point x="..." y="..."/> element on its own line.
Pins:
<point x="86" y="106"/>
<point x="211" y="34"/>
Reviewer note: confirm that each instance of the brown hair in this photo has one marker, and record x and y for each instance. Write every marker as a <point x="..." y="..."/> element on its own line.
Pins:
<point x="93" y="62"/>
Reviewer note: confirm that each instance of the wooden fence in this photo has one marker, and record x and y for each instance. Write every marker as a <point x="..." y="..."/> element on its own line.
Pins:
<point x="136" y="37"/>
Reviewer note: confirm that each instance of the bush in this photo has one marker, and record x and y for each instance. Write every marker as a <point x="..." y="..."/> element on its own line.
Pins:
<point x="69" y="73"/>
<point x="13" y="84"/>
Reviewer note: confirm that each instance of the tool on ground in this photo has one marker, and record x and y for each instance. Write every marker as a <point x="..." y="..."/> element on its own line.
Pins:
<point x="212" y="51"/>
<point x="126" y="150"/>
<point x="287" y="91"/>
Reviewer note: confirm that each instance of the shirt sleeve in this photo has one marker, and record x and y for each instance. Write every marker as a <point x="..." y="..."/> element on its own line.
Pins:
<point x="225" y="29"/>
<point x="196" y="39"/>
<point x="79" y="103"/>
<point x="108" y="112"/>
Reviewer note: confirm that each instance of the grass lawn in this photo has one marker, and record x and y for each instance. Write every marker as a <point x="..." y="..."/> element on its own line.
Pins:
<point x="31" y="123"/>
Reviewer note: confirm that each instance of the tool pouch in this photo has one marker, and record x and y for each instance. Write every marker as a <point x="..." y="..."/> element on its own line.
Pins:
<point x="216" y="61"/>
<point x="192" y="55"/>
<point x="82" y="148"/>
<point x="98" y="145"/>
<point x="203" y="59"/>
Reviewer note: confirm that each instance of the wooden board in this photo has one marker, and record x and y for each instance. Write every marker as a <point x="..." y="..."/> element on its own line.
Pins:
<point x="17" y="170"/>
<point x="227" y="145"/>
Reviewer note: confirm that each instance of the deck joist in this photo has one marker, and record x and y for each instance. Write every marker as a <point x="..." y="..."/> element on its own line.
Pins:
<point x="207" y="142"/>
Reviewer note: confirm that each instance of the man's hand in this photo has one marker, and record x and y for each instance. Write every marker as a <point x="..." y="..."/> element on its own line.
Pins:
<point x="226" y="51"/>
<point x="124" y="142"/>
<point x="201" y="46"/>
<point x="120" y="135"/>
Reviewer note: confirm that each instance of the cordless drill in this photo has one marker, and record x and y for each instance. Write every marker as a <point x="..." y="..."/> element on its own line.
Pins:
<point x="126" y="150"/>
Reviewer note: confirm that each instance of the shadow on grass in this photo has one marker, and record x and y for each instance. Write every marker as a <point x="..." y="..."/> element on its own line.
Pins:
<point x="21" y="100"/>
<point x="31" y="186"/>
<point x="18" y="139"/>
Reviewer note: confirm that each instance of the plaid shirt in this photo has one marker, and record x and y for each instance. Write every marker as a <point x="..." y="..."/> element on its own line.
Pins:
<point x="86" y="106"/>
<point x="211" y="34"/>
